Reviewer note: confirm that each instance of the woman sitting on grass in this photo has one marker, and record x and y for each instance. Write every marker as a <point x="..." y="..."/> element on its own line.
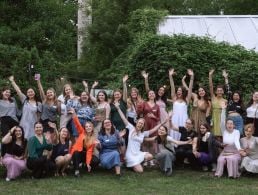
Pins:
<point x="83" y="148"/>
<point x="14" y="159"/>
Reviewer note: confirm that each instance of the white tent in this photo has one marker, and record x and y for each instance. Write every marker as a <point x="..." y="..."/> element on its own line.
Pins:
<point x="234" y="29"/>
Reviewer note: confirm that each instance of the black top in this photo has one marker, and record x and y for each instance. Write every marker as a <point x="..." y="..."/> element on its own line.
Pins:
<point x="204" y="147"/>
<point x="235" y="107"/>
<point x="186" y="134"/>
<point x="15" y="149"/>
<point x="60" y="149"/>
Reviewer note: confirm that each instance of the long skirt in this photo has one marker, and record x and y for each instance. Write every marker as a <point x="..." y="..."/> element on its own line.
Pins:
<point x="251" y="165"/>
<point x="232" y="161"/>
<point x="14" y="166"/>
<point x="165" y="160"/>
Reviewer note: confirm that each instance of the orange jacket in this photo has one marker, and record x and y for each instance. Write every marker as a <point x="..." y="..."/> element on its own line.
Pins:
<point x="78" y="145"/>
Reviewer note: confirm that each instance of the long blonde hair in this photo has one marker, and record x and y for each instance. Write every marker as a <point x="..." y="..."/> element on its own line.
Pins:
<point x="89" y="140"/>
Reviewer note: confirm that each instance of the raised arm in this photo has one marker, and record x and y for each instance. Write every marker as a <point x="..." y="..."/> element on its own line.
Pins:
<point x="92" y="91"/>
<point x="154" y="129"/>
<point x="184" y="83"/>
<point x="16" y="87"/>
<point x="189" y="94"/>
<point x="146" y="81"/>
<point x="41" y="90"/>
<point x="8" y="137"/>
<point x="125" y="78"/>
<point x="171" y="72"/>
<point x="211" y="82"/>
<point x="223" y="118"/>
<point x="126" y="122"/>
<point x="228" y="91"/>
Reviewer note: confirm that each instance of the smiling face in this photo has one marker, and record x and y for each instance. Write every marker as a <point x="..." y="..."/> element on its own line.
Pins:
<point x="84" y="97"/>
<point x="117" y="95"/>
<point x="236" y="97"/>
<point x="89" y="128"/>
<point x="64" y="133"/>
<point x="18" y="132"/>
<point x="203" y="129"/>
<point x="201" y="92"/>
<point x="249" y="132"/>
<point x="50" y="94"/>
<point x="101" y="97"/>
<point x="151" y="95"/>
<point x="179" y="92"/>
<point x="219" y="91"/>
<point x="67" y="90"/>
<point x="140" y="124"/>
<point x="6" y="94"/>
<point x="107" y="124"/>
<point x="134" y="94"/>
<point x="161" y="91"/>
<point x="255" y="97"/>
<point x="30" y="93"/>
<point x="188" y="124"/>
<point x="230" y="125"/>
<point x="162" y="131"/>
<point x="38" y="128"/>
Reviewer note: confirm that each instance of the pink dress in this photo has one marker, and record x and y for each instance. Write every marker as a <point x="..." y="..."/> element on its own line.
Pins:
<point x="163" y="112"/>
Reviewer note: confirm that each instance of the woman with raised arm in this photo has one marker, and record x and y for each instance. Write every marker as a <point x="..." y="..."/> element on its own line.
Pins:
<point x="252" y="112"/>
<point x="14" y="159"/>
<point x="83" y="149"/>
<point x="230" y="155"/>
<point x="180" y="99"/>
<point x="216" y="101"/>
<point x="50" y="107"/>
<point x="201" y="106"/>
<point x="110" y="142"/>
<point x="61" y="148"/>
<point x="161" y="98"/>
<point x="235" y="107"/>
<point x="151" y="114"/>
<point x="37" y="162"/>
<point x="134" y="156"/>
<point x="249" y="144"/>
<point x="31" y="109"/>
<point x="8" y="114"/>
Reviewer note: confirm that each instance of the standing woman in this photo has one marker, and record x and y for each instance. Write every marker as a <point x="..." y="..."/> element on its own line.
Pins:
<point x="235" y="108"/>
<point x="252" y="112"/>
<point x="50" y="107"/>
<point x="110" y="141"/>
<point x="8" y="112"/>
<point x="83" y="149"/>
<point x="31" y="109"/>
<point x="14" y="159"/>
<point x="37" y="162"/>
<point x="161" y="98"/>
<point x="230" y="156"/>
<point x="216" y="100"/>
<point x="249" y="144"/>
<point x="180" y="99"/>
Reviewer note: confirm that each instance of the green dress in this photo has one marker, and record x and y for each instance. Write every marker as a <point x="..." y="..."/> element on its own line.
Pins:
<point x="35" y="148"/>
<point x="216" y="115"/>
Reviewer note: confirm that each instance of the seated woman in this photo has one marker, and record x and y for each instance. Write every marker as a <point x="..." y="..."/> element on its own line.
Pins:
<point x="230" y="155"/>
<point x="250" y="153"/>
<point x="134" y="156"/>
<point x="205" y="148"/>
<point x="60" y="153"/>
<point x="36" y="161"/>
<point x="14" y="159"/>
<point x="110" y="141"/>
<point x="83" y="148"/>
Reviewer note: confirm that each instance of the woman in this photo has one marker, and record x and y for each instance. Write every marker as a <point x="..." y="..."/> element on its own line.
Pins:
<point x="37" y="162"/>
<point x="61" y="148"/>
<point x="151" y="114"/>
<point x="180" y="99"/>
<point x="134" y="156"/>
<point x="8" y="114"/>
<point x="230" y="154"/>
<point x="110" y="141"/>
<point x="84" y="109"/>
<point x="161" y="98"/>
<point x="83" y="149"/>
<point x="205" y="148"/>
<point x="30" y="111"/>
<point x="14" y="159"/>
<point x="216" y="101"/>
<point x="252" y="112"/>
<point x="235" y="108"/>
<point x="50" y="108"/>
<point x="250" y="150"/>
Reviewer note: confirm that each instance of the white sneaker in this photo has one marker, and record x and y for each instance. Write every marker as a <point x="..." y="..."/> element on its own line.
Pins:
<point x="204" y="168"/>
<point x="7" y="179"/>
<point x="145" y="164"/>
<point x="214" y="167"/>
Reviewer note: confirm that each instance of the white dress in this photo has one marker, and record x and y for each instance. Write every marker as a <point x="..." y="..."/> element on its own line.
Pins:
<point x="134" y="155"/>
<point x="179" y="113"/>
<point x="250" y="162"/>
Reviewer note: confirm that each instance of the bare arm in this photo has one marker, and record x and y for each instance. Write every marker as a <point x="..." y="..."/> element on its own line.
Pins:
<point x="125" y="78"/>
<point x="16" y="87"/>
<point x="189" y="94"/>
<point x="208" y="109"/>
<point x="92" y="95"/>
<point x="121" y="114"/>
<point x="41" y="90"/>
<point x="154" y="129"/>
<point x="108" y="109"/>
<point x="211" y="82"/>
<point x="172" y="85"/>
<point x="8" y="137"/>
<point x="146" y="81"/>
<point x="184" y="83"/>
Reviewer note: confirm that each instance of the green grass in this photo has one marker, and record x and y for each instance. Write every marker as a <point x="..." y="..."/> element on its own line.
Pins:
<point x="150" y="182"/>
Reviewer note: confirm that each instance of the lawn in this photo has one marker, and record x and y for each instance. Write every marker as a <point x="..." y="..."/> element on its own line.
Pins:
<point x="150" y="182"/>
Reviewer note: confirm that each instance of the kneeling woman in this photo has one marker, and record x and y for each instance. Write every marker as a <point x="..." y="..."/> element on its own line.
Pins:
<point x="36" y="161"/>
<point x="230" y="154"/>
<point x="110" y="142"/>
<point x="250" y="153"/>
<point x="60" y="154"/>
<point x="14" y="159"/>
<point x="134" y="156"/>
<point x="83" y="148"/>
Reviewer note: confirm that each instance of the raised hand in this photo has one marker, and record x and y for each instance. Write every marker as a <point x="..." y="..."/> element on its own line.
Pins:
<point x="125" y="78"/>
<point x="11" y="78"/>
<point x="145" y="74"/>
<point x="122" y="133"/>
<point x="52" y="125"/>
<point x="116" y="104"/>
<point x="211" y="72"/>
<point x="171" y="72"/>
<point x="85" y="84"/>
<point x="190" y="72"/>
<point x="223" y="105"/>
<point x="95" y="84"/>
<point x="225" y="74"/>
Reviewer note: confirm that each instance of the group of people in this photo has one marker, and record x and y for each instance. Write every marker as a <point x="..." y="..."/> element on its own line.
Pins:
<point x="49" y="134"/>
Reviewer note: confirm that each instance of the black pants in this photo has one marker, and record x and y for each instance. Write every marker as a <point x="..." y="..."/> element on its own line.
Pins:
<point x="40" y="166"/>
<point x="185" y="152"/>
<point x="7" y="123"/>
<point x="80" y="157"/>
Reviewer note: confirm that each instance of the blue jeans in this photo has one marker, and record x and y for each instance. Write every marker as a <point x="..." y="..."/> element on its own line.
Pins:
<point x="238" y="122"/>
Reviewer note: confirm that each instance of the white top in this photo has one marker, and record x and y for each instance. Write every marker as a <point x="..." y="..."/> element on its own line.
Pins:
<point x="252" y="111"/>
<point x="63" y="106"/>
<point x="179" y="113"/>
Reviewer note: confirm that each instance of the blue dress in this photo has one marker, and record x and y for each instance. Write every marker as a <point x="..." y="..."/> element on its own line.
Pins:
<point x="109" y="155"/>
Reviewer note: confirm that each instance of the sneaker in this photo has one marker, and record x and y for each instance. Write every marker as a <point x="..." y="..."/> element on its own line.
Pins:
<point x="204" y="168"/>
<point x="152" y="163"/>
<point x="214" y="167"/>
<point x="168" y="172"/>
<point x="145" y="164"/>
<point x="186" y="161"/>
<point x="77" y="173"/>
<point x="7" y="179"/>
